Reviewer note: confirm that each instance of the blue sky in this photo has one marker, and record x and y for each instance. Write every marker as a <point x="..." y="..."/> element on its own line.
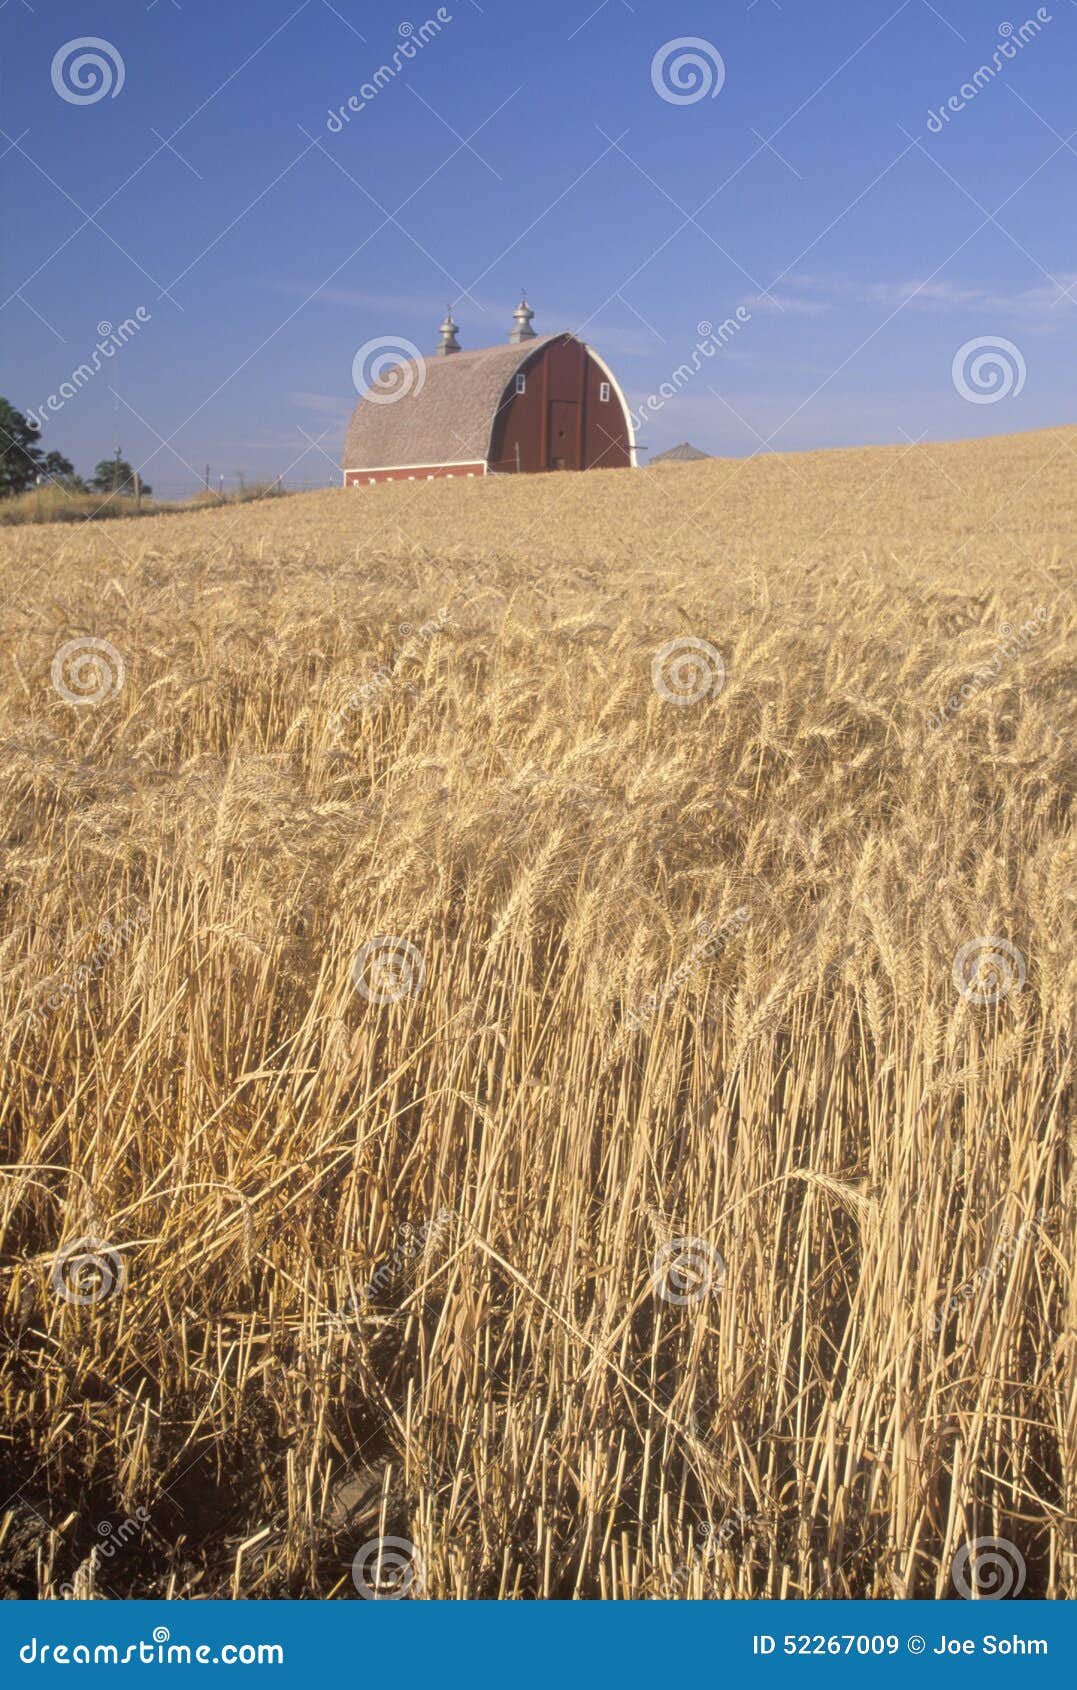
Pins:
<point x="800" y="180"/>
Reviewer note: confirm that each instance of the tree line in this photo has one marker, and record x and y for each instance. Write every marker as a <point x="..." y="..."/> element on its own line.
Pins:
<point x="25" y="464"/>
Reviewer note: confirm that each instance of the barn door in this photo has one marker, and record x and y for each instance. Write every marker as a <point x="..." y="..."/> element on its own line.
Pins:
<point x="564" y="434"/>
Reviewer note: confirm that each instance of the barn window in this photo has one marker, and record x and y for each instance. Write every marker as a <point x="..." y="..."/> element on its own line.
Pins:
<point x="604" y="392"/>
<point x="521" y="384"/>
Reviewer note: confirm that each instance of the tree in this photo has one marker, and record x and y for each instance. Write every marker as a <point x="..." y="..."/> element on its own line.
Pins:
<point x="115" y="475"/>
<point x="61" y="470"/>
<point x="20" y="452"/>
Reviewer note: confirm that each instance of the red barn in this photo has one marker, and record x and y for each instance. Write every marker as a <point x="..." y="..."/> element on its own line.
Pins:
<point x="533" y="403"/>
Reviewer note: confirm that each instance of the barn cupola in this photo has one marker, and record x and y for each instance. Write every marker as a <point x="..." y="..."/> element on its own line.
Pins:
<point x="521" y="318"/>
<point x="449" y="331"/>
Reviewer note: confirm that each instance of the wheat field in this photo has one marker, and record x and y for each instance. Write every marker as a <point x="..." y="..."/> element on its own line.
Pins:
<point x="483" y="1074"/>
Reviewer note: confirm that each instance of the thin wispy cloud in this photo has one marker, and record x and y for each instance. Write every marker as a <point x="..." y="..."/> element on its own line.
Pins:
<point x="1039" y="307"/>
<point x="337" y="405"/>
<point x="786" y="304"/>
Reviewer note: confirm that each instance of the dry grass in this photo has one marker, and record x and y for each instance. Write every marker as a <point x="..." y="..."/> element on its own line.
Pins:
<point x="53" y="503"/>
<point x="213" y="1100"/>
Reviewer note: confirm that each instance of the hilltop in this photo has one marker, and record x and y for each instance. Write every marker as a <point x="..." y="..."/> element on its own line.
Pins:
<point x="904" y="502"/>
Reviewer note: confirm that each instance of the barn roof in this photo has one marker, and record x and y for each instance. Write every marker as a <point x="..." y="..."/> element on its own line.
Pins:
<point x="444" y="412"/>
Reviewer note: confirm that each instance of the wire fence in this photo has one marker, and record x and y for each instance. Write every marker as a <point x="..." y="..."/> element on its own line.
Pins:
<point x="189" y="488"/>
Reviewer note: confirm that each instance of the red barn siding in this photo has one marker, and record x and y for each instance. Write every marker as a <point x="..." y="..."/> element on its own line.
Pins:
<point x="606" y="442"/>
<point x="560" y="421"/>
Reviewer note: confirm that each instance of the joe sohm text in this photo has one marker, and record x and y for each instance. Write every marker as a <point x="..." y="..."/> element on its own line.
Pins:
<point x="865" y="1643"/>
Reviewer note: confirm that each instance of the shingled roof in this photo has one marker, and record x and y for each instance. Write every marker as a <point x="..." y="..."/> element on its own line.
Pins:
<point x="444" y="413"/>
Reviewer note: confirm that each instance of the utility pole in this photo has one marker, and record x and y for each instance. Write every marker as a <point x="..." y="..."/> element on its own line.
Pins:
<point x="207" y="478"/>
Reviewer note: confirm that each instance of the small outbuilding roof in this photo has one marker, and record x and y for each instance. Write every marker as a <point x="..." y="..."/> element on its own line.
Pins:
<point x="682" y="454"/>
<point x="435" y="410"/>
